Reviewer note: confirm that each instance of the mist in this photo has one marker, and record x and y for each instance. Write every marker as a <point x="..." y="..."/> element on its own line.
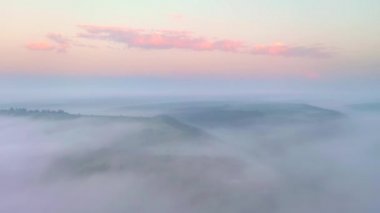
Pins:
<point x="26" y="88"/>
<point x="189" y="156"/>
<point x="190" y="106"/>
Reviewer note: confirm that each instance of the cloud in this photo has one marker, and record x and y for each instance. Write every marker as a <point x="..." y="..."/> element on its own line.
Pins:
<point x="164" y="39"/>
<point x="159" y="39"/>
<point x="288" y="51"/>
<point x="62" y="43"/>
<point x="115" y="164"/>
<point x="54" y="42"/>
<point x="170" y="39"/>
<point x="41" y="46"/>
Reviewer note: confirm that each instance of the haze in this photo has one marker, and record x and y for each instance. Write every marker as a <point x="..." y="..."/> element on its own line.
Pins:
<point x="190" y="106"/>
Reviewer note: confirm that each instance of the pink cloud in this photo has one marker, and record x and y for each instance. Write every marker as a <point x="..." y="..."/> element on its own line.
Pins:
<point x="40" y="46"/>
<point x="55" y="42"/>
<point x="158" y="39"/>
<point x="163" y="39"/>
<point x="62" y="43"/>
<point x="167" y="39"/>
<point x="288" y="51"/>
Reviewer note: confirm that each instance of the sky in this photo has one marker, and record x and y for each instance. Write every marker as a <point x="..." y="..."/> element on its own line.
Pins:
<point x="284" y="40"/>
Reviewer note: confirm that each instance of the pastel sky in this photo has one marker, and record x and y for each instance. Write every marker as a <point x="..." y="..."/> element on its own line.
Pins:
<point x="284" y="38"/>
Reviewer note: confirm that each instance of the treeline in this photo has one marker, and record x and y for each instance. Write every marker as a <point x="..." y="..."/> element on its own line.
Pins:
<point x="37" y="113"/>
<point x="26" y="111"/>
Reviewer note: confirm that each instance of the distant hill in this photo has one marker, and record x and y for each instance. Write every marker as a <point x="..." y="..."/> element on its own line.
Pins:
<point x="370" y="107"/>
<point x="157" y="128"/>
<point x="42" y="114"/>
<point x="250" y="114"/>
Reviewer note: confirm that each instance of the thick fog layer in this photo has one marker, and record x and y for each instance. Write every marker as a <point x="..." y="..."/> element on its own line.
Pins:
<point x="190" y="157"/>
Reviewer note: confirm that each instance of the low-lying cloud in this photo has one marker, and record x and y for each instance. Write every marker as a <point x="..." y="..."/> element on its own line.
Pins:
<point x="155" y="164"/>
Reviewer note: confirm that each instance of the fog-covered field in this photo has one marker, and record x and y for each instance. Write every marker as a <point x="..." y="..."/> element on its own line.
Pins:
<point x="190" y="156"/>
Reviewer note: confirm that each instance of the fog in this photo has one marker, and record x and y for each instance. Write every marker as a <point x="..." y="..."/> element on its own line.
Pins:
<point x="189" y="156"/>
